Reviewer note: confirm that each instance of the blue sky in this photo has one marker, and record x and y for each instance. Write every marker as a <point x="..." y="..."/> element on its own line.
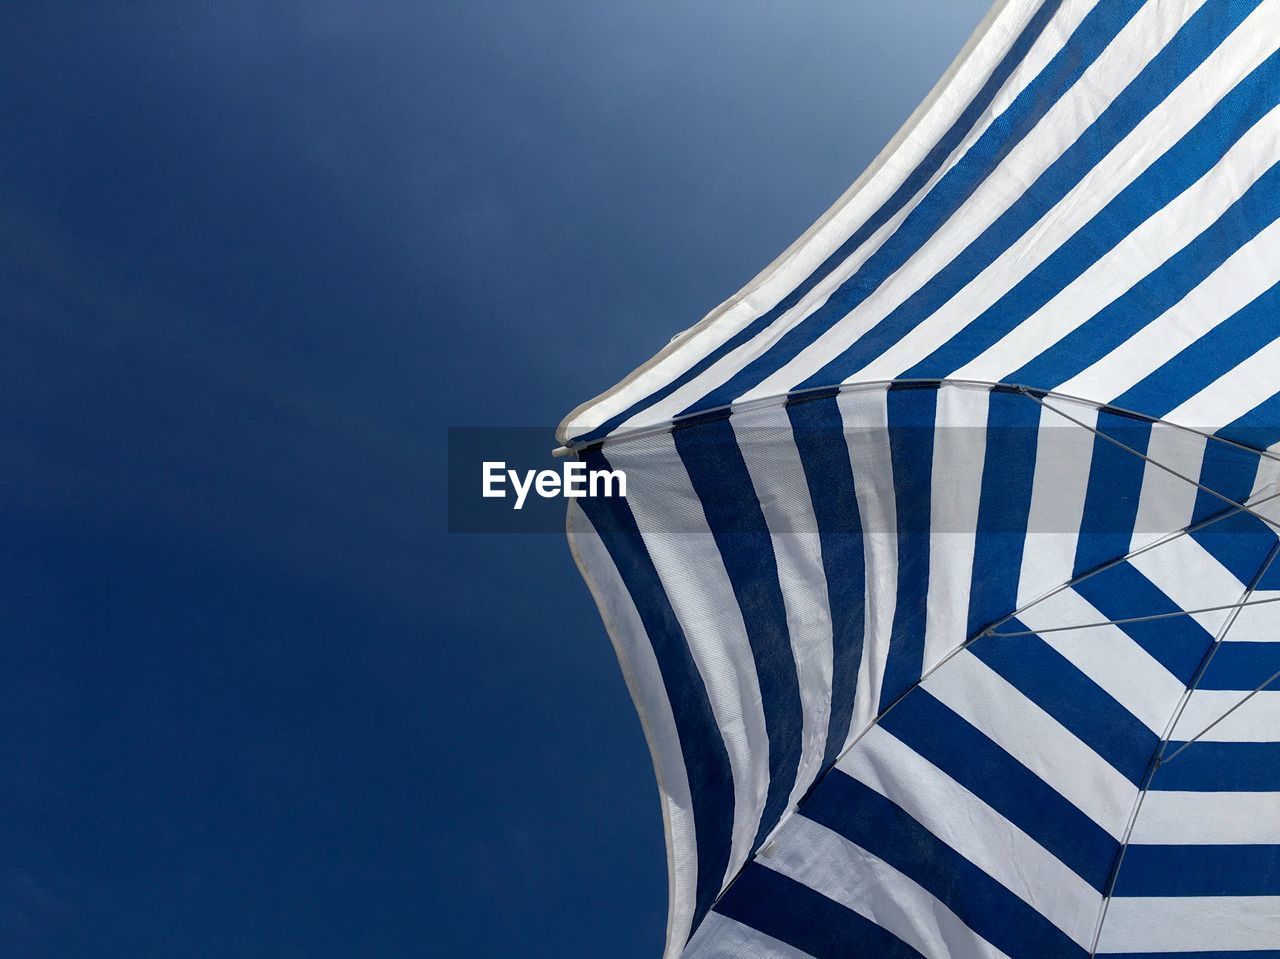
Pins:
<point x="255" y="258"/>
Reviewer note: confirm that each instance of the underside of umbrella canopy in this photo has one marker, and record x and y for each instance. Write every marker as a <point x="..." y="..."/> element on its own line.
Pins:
<point x="946" y="581"/>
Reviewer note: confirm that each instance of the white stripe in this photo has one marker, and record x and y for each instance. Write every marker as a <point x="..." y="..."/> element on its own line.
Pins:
<point x="1167" y="503"/>
<point x="1191" y="923"/>
<point x="828" y="863"/>
<point x="648" y="692"/>
<point x="1026" y="732"/>
<point x="1233" y="394"/>
<point x="1258" y="623"/>
<point x="1192" y="578"/>
<point x="959" y="451"/>
<point x="1208" y="818"/>
<point x="1064" y="454"/>
<point x="977" y="832"/>
<point x="1266" y="482"/>
<point x="1256" y="721"/>
<point x="768" y="448"/>
<point x="865" y="415"/>
<point x="694" y="578"/>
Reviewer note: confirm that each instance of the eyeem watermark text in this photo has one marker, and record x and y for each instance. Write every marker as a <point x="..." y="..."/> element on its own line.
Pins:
<point x="573" y="481"/>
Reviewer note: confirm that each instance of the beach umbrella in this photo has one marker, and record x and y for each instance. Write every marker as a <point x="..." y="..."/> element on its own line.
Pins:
<point x="945" y="580"/>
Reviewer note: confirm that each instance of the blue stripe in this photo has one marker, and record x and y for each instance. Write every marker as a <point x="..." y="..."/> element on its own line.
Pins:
<point x="1270" y="580"/>
<point x="1177" y="643"/>
<point x="956" y="186"/>
<point x="706" y="760"/>
<point x="1260" y="427"/>
<point x="791" y="912"/>
<point x="966" y="755"/>
<point x="1050" y="681"/>
<point x="871" y="821"/>
<point x="1181" y="166"/>
<point x="1114" y="491"/>
<point x="1220" y="767"/>
<point x="1214" y="354"/>
<point x="1241" y="666"/>
<point x="1229" y="471"/>
<point x="1218" y="870"/>
<point x="818" y="430"/>
<point x="1241" y="543"/>
<point x="1008" y="476"/>
<point x="723" y="484"/>
<point x="1159" y="290"/>
<point x="1197" y="38"/>
<point x="912" y="185"/>
<point x="912" y="419"/>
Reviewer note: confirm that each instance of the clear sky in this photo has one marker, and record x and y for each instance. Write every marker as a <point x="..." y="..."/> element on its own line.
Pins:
<point x="255" y="258"/>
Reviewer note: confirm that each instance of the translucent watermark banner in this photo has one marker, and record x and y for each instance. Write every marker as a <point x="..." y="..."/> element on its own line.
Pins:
<point x="1048" y="478"/>
<point x="506" y="480"/>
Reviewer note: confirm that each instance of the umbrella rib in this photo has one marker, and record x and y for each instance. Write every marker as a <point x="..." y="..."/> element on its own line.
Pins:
<point x="1213" y="650"/>
<point x="1174" y="755"/>
<point x="1233" y="508"/>
<point x="1168" y="469"/>
<point x="1157" y="758"/>
<point x="1137" y="619"/>
<point x="989" y="630"/>
<point x="1077" y="580"/>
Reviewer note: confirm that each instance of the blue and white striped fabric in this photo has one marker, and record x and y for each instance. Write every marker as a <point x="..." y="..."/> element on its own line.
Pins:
<point x="946" y="584"/>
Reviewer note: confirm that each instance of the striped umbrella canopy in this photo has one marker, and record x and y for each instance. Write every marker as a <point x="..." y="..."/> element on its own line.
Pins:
<point x="946" y="583"/>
